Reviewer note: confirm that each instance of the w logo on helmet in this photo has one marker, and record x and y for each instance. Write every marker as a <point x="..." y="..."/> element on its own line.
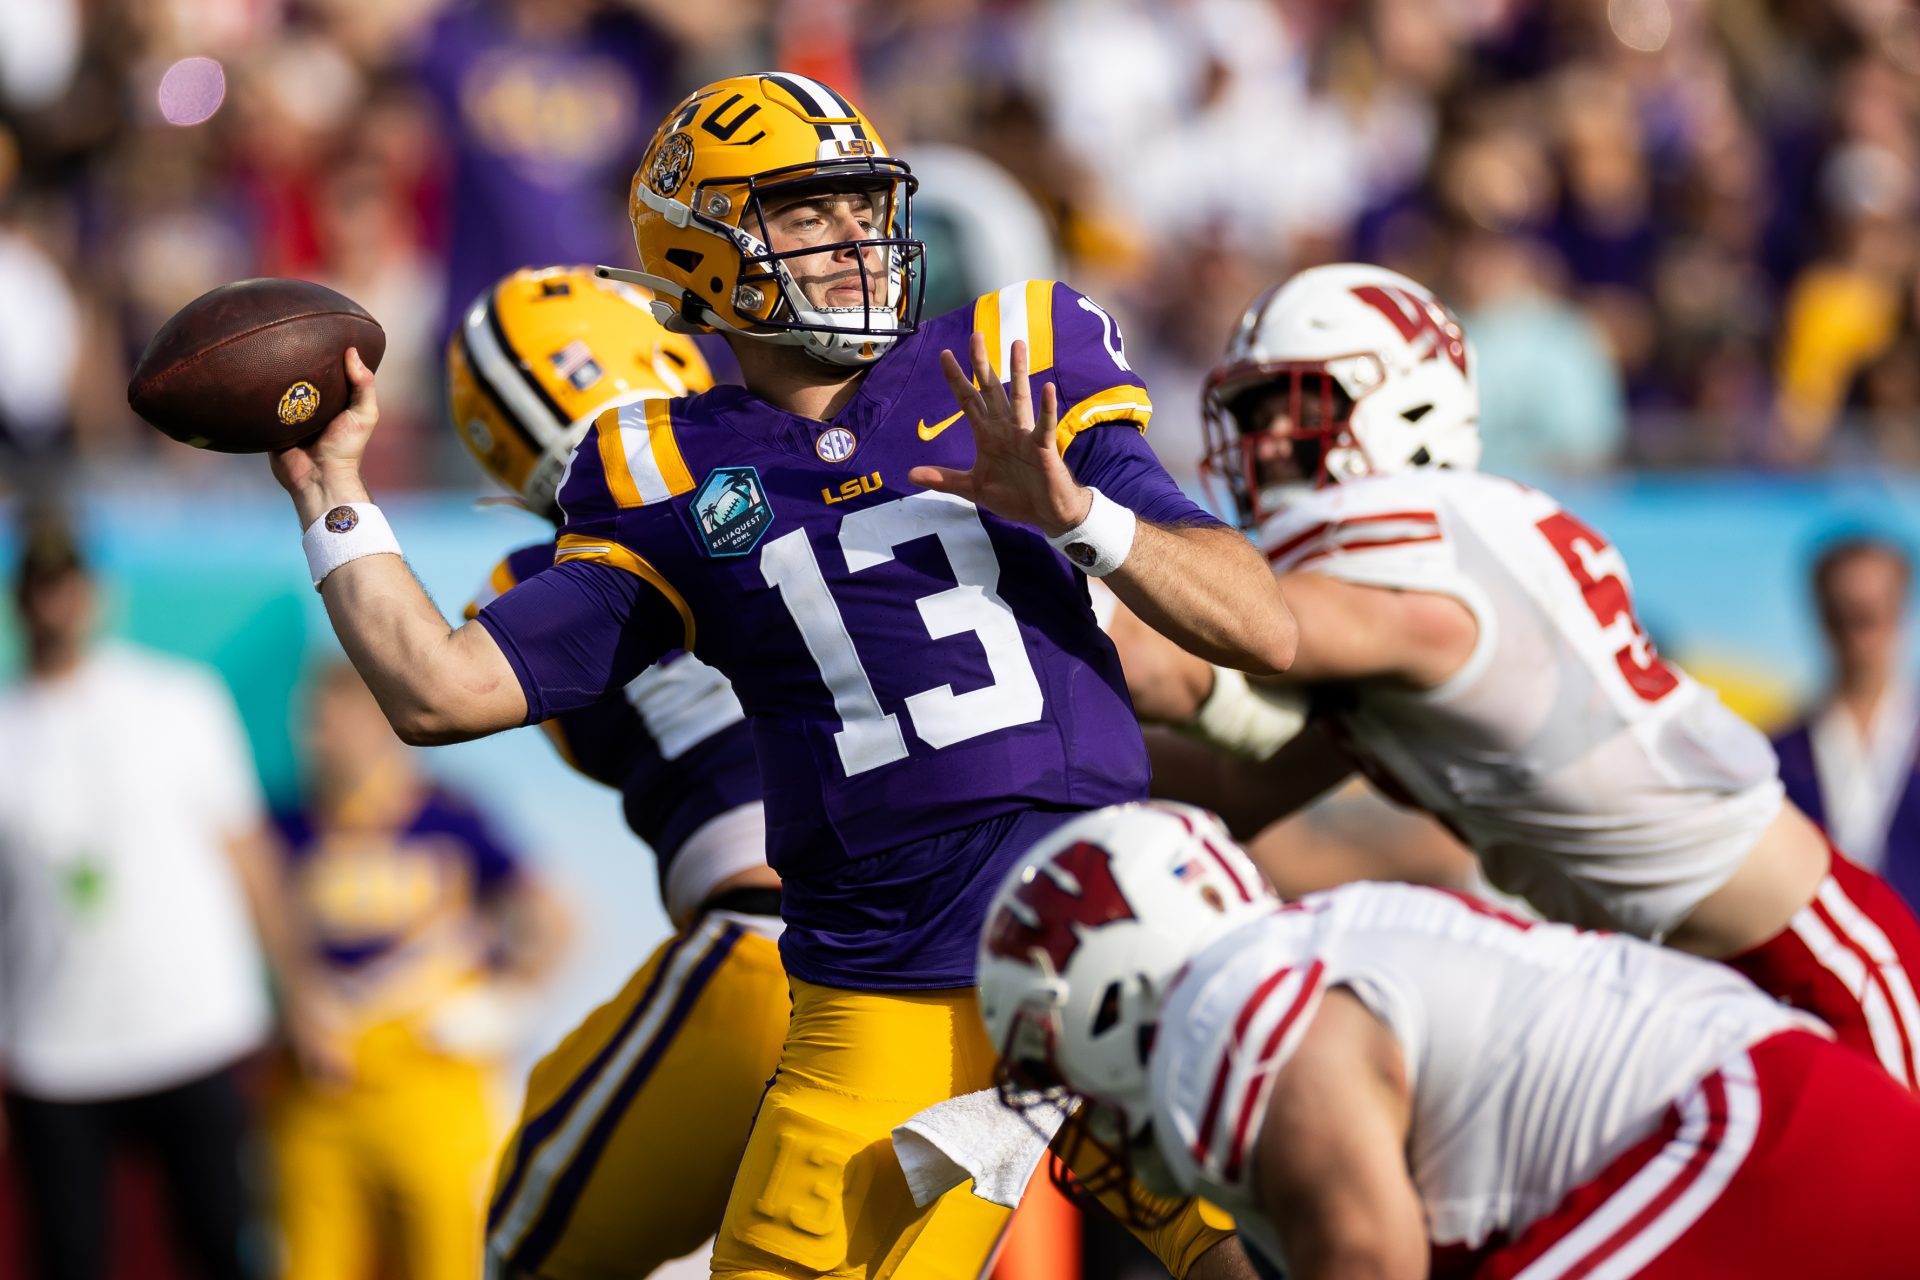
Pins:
<point x="1047" y="915"/>
<point x="1416" y="317"/>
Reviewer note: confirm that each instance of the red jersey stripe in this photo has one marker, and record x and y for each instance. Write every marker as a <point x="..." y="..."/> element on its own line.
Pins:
<point x="1236" y="1154"/>
<point x="1332" y="529"/>
<point x="1878" y="978"/>
<point x="1203" y="1142"/>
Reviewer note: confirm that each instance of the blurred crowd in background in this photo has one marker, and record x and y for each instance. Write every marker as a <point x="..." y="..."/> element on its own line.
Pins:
<point x="1680" y="231"/>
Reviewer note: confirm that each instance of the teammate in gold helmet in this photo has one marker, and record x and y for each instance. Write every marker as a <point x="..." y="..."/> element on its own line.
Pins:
<point x="618" y="1166"/>
<point x="543" y="352"/>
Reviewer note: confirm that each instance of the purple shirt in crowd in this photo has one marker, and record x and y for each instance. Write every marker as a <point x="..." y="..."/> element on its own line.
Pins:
<point x="545" y="128"/>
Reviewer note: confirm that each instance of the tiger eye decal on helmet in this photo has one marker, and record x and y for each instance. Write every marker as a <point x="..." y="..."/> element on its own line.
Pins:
<point x="541" y="354"/>
<point x="700" y="203"/>
<point x="670" y="166"/>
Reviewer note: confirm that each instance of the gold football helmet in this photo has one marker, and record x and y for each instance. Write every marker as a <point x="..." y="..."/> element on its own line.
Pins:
<point x="540" y="355"/>
<point x="699" y="206"/>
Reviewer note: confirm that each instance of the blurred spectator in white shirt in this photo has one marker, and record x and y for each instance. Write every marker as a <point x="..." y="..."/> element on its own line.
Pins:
<point x="132" y="852"/>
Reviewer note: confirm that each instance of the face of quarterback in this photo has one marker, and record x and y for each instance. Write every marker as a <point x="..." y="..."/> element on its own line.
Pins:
<point x="831" y="278"/>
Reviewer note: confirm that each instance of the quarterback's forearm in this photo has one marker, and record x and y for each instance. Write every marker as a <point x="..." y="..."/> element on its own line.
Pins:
<point x="436" y="684"/>
<point x="1207" y="589"/>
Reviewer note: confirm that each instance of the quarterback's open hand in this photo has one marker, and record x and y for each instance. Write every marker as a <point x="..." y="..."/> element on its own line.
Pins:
<point x="325" y="470"/>
<point x="1017" y="472"/>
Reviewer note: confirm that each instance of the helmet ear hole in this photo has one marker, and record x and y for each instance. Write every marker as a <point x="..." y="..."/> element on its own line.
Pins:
<point x="1105" y="1018"/>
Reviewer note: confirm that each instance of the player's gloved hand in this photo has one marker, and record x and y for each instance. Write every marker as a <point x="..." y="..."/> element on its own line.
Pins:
<point x="324" y="471"/>
<point x="1017" y="470"/>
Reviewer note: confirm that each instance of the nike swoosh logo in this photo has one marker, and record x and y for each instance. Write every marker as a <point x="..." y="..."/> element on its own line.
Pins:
<point x="929" y="432"/>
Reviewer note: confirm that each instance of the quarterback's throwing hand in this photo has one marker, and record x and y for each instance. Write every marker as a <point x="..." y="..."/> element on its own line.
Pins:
<point x="1017" y="472"/>
<point x="323" y="471"/>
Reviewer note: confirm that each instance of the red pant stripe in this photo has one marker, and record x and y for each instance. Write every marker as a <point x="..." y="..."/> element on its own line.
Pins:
<point x="1678" y="1182"/>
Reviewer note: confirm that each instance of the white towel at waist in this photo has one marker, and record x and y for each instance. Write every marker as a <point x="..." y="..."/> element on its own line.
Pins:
<point x="974" y="1136"/>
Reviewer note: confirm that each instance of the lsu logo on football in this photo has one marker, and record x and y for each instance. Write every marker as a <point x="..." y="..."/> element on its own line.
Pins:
<point x="298" y="403"/>
<point x="732" y="510"/>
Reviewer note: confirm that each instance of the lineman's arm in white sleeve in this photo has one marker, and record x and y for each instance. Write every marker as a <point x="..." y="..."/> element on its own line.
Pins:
<point x="1330" y="1168"/>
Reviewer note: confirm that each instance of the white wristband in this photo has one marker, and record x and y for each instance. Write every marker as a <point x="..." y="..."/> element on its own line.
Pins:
<point x="349" y="531"/>
<point x="1099" y="544"/>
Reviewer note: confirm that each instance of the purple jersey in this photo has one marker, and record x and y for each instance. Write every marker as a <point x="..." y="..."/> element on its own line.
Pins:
<point x="673" y="742"/>
<point x="915" y="669"/>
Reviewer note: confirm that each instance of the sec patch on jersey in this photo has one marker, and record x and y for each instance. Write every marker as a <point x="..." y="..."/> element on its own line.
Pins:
<point x="253" y="366"/>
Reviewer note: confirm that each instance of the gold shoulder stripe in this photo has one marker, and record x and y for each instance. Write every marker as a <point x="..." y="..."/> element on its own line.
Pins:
<point x="1039" y="302"/>
<point x="639" y="454"/>
<point x="573" y="546"/>
<point x="613" y="460"/>
<point x="1018" y="313"/>
<point x="666" y="450"/>
<point x="1125" y="403"/>
<point x="986" y="323"/>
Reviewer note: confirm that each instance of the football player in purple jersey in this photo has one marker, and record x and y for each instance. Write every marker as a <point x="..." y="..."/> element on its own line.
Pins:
<point x="899" y="604"/>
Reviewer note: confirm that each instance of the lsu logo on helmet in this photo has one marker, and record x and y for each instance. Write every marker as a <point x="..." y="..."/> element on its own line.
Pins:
<point x="671" y="164"/>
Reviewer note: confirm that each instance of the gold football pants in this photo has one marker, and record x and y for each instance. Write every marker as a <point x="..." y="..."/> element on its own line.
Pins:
<point x="819" y="1192"/>
<point x="398" y="1158"/>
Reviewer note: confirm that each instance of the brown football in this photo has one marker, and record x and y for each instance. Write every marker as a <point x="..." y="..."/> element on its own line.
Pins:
<point x="253" y="366"/>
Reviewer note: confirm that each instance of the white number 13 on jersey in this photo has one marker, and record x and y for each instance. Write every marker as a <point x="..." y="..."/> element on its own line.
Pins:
<point x="869" y="737"/>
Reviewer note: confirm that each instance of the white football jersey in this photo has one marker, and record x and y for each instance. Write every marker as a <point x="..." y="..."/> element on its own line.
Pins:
<point x="1593" y="779"/>
<point x="1536" y="1053"/>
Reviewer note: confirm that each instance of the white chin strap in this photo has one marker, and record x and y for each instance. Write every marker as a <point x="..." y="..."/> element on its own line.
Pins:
<point x="823" y="342"/>
<point x="822" y="339"/>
